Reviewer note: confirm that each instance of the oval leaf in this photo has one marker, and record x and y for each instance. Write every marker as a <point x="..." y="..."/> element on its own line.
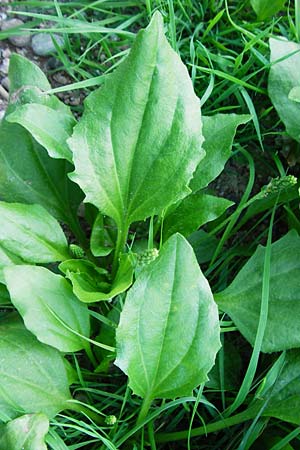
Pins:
<point x="28" y="84"/>
<point x="33" y="375"/>
<point x="23" y="72"/>
<point x="25" y="433"/>
<point x="90" y="286"/>
<point x="283" y="77"/>
<point x="48" y="306"/>
<point x="168" y="335"/>
<point x="102" y="236"/>
<point x="192" y="212"/>
<point x="218" y="131"/>
<point x="49" y="128"/>
<point x="241" y="300"/>
<point x="265" y="8"/>
<point x="284" y="399"/>
<point x="139" y="140"/>
<point x="30" y="233"/>
<point x="29" y="175"/>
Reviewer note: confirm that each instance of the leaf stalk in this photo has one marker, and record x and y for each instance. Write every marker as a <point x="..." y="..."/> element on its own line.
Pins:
<point x="121" y="242"/>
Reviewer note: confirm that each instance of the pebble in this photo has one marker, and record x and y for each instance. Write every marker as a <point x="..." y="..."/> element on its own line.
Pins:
<point x="61" y="79"/>
<point x="3" y="16"/>
<point x="3" y="93"/>
<point x="4" y="60"/>
<point x="5" y="83"/>
<point x="42" y="44"/>
<point x="18" y="41"/>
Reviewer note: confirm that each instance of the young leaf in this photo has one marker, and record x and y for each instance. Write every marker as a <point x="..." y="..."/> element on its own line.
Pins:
<point x="25" y="433"/>
<point x="168" y="335"/>
<point x="31" y="234"/>
<point x="28" y="85"/>
<point x="265" y="8"/>
<point x="29" y="175"/>
<point x="50" y="128"/>
<point x="46" y="303"/>
<point x="139" y="141"/>
<point x="102" y="242"/>
<point x="218" y="131"/>
<point x="90" y="286"/>
<point x="33" y="375"/>
<point x="284" y="400"/>
<point x="22" y="72"/>
<point x="283" y="77"/>
<point x="192" y="212"/>
<point x="241" y="300"/>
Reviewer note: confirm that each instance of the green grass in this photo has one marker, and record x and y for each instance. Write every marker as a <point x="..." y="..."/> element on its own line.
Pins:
<point x="226" y="51"/>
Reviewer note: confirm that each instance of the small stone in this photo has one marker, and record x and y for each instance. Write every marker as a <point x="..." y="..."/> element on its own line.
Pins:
<point x="5" y="83"/>
<point x="4" y="60"/>
<point x="3" y="93"/>
<point x="43" y="45"/>
<point x="4" y="66"/>
<point x="18" y="41"/>
<point x="75" y="99"/>
<point x="60" y="78"/>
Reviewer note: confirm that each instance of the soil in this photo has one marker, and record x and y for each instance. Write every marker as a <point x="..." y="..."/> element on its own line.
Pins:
<point x="50" y="65"/>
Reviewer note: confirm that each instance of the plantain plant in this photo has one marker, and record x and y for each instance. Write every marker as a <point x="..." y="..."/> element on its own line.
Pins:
<point x="121" y="282"/>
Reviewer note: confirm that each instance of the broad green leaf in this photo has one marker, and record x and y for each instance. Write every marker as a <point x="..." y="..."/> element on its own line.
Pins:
<point x="25" y="433"/>
<point x="241" y="300"/>
<point x="90" y="286"/>
<point x="232" y="365"/>
<point x="82" y="266"/>
<point x="283" y="77"/>
<point x="31" y="234"/>
<point x="107" y="336"/>
<point x="33" y="375"/>
<point x="265" y="8"/>
<point x="102" y="241"/>
<point x="28" y="85"/>
<point x="204" y="245"/>
<point x="283" y="397"/>
<point x="139" y="140"/>
<point x="218" y="131"/>
<point x="72" y="374"/>
<point x="29" y="175"/>
<point x="168" y="335"/>
<point x="48" y="307"/>
<point x="192" y="212"/>
<point x="49" y="128"/>
<point x="23" y="72"/>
